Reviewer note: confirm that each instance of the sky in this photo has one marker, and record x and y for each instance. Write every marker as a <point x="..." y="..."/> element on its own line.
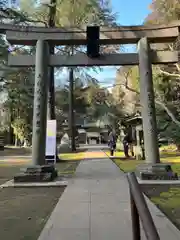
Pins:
<point x="129" y="12"/>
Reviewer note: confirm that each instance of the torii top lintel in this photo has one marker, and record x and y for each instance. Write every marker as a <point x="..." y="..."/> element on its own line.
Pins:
<point x="28" y="35"/>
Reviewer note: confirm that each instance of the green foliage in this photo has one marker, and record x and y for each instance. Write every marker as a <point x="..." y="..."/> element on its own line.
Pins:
<point x="167" y="90"/>
<point x="17" y="85"/>
<point x="96" y="98"/>
<point x="68" y="12"/>
<point x="173" y="132"/>
<point x="93" y="102"/>
<point x="165" y="11"/>
<point x="21" y="129"/>
<point x="74" y="14"/>
<point x="167" y="87"/>
<point x="62" y="100"/>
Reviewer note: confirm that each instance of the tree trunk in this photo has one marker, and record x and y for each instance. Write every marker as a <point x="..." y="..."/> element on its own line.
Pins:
<point x="16" y="141"/>
<point x="178" y="147"/>
<point x="71" y="110"/>
<point x="11" y="132"/>
<point x="51" y="94"/>
<point x="11" y="136"/>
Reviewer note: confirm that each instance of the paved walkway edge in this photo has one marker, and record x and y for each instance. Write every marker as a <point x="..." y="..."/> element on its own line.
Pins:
<point x="155" y="211"/>
<point x="96" y="205"/>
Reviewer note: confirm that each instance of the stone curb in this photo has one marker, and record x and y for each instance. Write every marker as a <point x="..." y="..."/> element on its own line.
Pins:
<point x="11" y="184"/>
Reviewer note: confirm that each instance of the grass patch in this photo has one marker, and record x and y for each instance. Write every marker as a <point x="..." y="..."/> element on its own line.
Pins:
<point x="170" y="158"/>
<point x="24" y="211"/>
<point x="67" y="167"/>
<point x="170" y="199"/>
<point x="129" y="165"/>
<point x="167" y="199"/>
<point x="176" y="168"/>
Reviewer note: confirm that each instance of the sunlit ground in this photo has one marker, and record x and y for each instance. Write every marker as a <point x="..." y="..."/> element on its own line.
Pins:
<point x="72" y="156"/>
<point x="168" y="154"/>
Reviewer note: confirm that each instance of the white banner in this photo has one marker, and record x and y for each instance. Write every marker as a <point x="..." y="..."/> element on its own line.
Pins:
<point x="51" y="138"/>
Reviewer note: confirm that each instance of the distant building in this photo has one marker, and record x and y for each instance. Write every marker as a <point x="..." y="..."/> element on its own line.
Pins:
<point x="90" y="132"/>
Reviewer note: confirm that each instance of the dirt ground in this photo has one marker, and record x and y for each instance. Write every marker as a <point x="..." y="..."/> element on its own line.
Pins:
<point x="8" y="172"/>
<point x="167" y="199"/>
<point x="24" y="211"/>
<point x="18" y="151"/>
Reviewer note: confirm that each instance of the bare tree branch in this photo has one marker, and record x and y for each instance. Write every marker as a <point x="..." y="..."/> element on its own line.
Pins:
<point x="176" y="75"/>
<point x="170" y="114"/>
<point x="177" y="66"/>
<point x="157" y="101"/>
<point x="19" y="17"/>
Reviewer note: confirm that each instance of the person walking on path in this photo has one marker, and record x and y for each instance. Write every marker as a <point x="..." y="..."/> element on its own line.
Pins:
<point x="112" y="142"/>
<point x="128" y="145"/>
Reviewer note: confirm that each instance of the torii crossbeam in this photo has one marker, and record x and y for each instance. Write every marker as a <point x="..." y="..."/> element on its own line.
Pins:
<point x="143" y="35"/>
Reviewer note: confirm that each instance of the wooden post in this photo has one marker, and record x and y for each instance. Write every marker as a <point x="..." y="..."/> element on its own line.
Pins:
<point x="147" y="103"/>
<point x="40" y="103"/>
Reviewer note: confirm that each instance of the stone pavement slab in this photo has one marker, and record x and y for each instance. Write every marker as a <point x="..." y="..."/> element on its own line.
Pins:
<point x="95" y="206"/>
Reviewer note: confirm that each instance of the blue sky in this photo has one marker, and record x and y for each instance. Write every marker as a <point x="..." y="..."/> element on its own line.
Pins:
<point x="129" y="12"/>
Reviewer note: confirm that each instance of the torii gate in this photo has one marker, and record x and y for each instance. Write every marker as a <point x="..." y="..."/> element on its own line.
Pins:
<point x="143" y="35"/>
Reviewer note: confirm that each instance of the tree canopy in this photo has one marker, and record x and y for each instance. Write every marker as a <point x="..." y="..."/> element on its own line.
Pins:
<point x="17" y="84"/>
<point x="166" y="78"/>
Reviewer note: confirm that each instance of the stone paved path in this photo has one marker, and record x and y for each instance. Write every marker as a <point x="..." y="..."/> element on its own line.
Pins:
<point x="95" y="206"/>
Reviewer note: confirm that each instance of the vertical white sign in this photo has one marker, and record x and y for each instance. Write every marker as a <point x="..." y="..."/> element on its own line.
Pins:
<point x="51" y="138"/>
